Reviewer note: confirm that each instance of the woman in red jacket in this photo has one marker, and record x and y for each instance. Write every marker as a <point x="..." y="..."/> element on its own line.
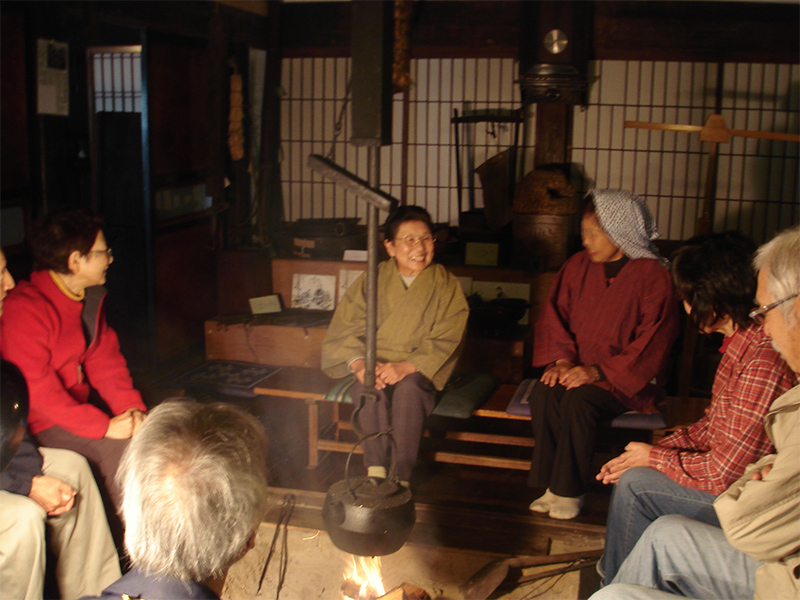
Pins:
<point x="603" y="337"/>
<point x="54" y="329"/>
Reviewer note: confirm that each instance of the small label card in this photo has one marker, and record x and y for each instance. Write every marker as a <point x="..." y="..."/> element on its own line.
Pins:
<point x="265" y="304"/>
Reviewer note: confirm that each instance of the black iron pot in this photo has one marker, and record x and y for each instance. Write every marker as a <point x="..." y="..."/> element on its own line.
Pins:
<point x="369" y="516"/>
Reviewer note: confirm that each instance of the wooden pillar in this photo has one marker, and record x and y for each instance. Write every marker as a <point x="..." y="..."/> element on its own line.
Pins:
<point x="553" y="133"/>
<point x="559" y="36"/>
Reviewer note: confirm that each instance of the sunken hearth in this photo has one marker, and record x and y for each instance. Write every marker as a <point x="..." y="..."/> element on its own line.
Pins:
<point x="447" y="547"/>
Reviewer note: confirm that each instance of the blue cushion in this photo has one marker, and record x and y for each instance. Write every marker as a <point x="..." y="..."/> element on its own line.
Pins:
<point x="520" y="403"/>
<point x="520" y="406"/>
<point x="636" y="420"/>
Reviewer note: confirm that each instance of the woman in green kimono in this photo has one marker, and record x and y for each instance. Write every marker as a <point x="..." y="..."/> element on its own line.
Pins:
<point x="421" y="320"/>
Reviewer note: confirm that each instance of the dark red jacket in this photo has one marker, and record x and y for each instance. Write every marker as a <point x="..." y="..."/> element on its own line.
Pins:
<point x="627" y="328"/>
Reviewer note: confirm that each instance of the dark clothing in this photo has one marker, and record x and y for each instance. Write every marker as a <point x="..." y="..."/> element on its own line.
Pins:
<point x="407" y="421"/>
<point x="138" y="584"/>
<point x="23" y="467"/>
<point x="564" y="427"/>
<point x="613" y="268"/>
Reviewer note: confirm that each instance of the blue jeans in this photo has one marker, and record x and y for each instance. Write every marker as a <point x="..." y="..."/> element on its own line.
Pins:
<point x="640" y="497"/>
<point x="678" y="556"/>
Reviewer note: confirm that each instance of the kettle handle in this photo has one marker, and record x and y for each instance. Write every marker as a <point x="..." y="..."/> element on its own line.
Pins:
<point x="393" y="453"/>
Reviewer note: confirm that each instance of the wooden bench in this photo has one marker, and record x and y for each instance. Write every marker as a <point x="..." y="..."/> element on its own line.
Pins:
<point x="327" y="425"/>
<point x="330" y="430"/>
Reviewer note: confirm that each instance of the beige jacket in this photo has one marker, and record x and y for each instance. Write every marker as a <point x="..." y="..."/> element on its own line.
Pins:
<point x="424" y="323"/>
<point x="762" y="518"/>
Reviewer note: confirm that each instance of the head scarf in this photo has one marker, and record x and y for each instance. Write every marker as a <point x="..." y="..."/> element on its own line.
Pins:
<point x="626" y="219"/>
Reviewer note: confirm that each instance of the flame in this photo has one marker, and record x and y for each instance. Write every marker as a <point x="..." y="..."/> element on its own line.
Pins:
<point x="366" y="572"/>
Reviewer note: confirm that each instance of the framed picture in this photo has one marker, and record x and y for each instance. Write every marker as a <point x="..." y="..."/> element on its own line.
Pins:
<point x="315" y="292"/>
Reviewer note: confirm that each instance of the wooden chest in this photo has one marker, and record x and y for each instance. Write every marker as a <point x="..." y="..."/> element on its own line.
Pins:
<point x="292" y="338"/>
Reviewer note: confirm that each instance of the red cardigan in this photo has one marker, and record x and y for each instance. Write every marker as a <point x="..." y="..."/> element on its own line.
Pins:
<point x="627" y="328"/>
<point x="43" y="334"/>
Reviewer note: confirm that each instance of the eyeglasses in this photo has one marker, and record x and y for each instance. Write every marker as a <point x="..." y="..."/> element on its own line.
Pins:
<point x="759" y="315"/>
<point x="107" y="252"/>
<point x="412" y="240"/>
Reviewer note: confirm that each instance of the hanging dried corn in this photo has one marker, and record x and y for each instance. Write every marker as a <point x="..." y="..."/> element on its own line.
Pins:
<point x="401" y="76"/>
<point x="236" y="119"/>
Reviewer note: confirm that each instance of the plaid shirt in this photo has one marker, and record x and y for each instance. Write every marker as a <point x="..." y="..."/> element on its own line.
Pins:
<point x="712" y="454"/>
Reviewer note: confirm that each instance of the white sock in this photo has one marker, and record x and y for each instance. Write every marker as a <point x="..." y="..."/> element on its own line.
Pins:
<point x="566" y="508"/>
<point x="543" y="503"/>
<point x="378" y="471"/>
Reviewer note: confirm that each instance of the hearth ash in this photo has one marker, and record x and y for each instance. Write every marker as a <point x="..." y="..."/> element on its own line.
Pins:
<point x="362" y="581"/>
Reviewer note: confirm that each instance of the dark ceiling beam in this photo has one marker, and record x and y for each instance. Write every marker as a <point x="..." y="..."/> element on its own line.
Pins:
<point x="697" y="31"/>
<point x="101" y="20"/>
<point x="622" y="30"/>
<point x="467" y="28"/>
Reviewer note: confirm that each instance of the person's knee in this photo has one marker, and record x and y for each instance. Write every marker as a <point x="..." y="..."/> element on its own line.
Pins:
<point x="577" y="405"/>
<point x="636" y="479"/>
<point x="673" y="522"/>
<point x="417" y="394"/>
<point x="627" y="490"/>
<point x="414" y="381"/>
<point x="27" y="519"/>
<point x="668" y="530"/>
<point x="68" y="466"/>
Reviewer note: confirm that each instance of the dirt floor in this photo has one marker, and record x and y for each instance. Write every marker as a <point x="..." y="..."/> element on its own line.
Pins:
<point x="315" y="570"/>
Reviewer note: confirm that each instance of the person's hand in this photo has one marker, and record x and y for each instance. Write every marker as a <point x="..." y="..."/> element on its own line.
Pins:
<point x="392" y="372"/>
<point x="358" y="368"/>
<point x="121" y="426"/>
<point x="578" y="376"/>
<point x="53" y="495"/>
<point x="637" y="454"/>
<point x="379" y="382"/>
<point x="554" y="372"/>
<point x="759" y="475"/>
<point x="138" y="418"/>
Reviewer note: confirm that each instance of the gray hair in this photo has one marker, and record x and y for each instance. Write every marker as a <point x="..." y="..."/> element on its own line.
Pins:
<point x="194" y="481"/>
<point x="780" y="260"/>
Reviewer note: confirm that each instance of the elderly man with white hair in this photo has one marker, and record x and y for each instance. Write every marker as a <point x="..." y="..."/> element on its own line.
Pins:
<point x="756" y="553"/>
<point x="194" y="484"/>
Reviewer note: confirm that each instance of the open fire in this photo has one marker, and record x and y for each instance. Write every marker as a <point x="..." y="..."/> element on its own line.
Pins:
<point x="363" y="581"/>
<point x="362" y="578"/>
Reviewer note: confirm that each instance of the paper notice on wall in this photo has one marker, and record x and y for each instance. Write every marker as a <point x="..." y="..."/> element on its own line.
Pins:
<point x="52" y="78"/>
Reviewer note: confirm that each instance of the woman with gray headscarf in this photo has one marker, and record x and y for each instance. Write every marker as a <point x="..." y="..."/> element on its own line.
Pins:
<point x="603" y="338"/>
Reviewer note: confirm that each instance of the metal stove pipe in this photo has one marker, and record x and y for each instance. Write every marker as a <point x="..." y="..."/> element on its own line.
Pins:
<point x="376" y="200"/>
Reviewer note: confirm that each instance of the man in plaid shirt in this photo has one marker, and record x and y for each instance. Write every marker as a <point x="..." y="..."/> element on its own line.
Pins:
<point x="686" y="470"/>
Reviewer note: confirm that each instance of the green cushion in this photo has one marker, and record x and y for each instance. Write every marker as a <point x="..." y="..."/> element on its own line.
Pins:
<point x="340" y="392"/>
<point x="463" y="393"/>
